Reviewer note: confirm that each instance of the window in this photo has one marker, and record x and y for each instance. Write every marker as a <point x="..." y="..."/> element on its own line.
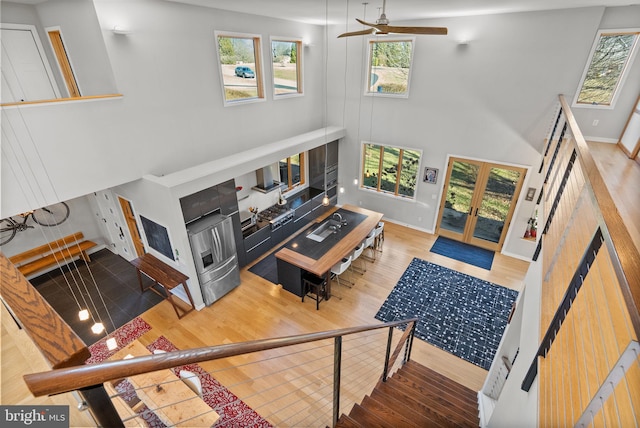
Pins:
<point x="287" y="67"/>
<point x="240" y="67"/>
<point x="63" y="62"/>
<point x="610" y="57"/>
<point x="390" y="170"/>
<point x="292" y="171"/>
<point x="389" y="67"/>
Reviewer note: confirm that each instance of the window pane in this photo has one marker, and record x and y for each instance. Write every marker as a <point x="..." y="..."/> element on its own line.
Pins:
<point x="605" y="70"/>
<point x="389" y="67"/>
<point x="409" y="173"/>
<point x="295" y="170"/>
<point x="389" y="172"/>
<point x="240" y="73"/>
<point x="284" y="171"/>
<point x="371" y="166"/>
<point x="286" y="63"/>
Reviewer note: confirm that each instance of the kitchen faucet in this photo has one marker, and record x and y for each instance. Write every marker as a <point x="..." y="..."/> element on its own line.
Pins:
<point x="342" y="221"/>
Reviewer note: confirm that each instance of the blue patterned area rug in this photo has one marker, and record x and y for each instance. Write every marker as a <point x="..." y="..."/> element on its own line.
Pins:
<point x="465" y="253"/>
<point x="458" y="313"/>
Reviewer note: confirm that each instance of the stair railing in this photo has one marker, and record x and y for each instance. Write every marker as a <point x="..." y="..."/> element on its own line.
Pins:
<point x="587" y="362"/>
<point x="94" y="375"/>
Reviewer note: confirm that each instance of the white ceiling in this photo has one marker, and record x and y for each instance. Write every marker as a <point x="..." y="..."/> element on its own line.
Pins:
<point x="314" y="11"/>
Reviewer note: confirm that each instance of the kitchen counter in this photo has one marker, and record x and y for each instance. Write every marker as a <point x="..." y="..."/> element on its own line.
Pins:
<point x="299" y="198"/>
<point x="299" y="255"/>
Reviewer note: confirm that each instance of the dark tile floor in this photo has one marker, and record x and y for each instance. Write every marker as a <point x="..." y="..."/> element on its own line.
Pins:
<point x="117" y="282"/>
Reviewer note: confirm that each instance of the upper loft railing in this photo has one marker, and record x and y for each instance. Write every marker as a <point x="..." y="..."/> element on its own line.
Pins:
<point x="60" y="100"/>
<point x="587" y="365"/>
<point x="302" y="380"/>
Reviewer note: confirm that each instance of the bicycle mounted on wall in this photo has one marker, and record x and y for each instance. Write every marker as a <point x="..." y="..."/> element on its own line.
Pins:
<point x="51" y="215"/>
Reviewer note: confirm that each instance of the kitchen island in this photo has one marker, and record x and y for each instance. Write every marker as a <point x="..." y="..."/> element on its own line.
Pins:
<point x="303" y="254"/>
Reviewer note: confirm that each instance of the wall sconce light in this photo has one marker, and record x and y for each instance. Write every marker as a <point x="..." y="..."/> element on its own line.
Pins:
<point x="120" y="30"/>
<point x="355" y="181"/>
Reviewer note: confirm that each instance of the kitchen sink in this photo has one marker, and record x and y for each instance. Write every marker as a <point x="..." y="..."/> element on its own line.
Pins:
<point x="326" y="229"/>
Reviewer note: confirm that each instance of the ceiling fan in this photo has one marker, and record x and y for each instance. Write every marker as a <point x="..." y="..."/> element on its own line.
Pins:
<point x="382" y="27"/>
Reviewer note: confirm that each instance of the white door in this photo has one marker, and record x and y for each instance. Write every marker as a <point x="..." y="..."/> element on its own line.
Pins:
<point x="113" y="224"/>
<point x="26" y="75"/>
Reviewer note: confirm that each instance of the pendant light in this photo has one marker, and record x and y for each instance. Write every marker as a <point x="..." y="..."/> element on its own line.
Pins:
<point x="325" y="199"/>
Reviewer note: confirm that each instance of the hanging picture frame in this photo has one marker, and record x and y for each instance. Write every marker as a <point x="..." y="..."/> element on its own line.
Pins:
<point x="430" y="175"/>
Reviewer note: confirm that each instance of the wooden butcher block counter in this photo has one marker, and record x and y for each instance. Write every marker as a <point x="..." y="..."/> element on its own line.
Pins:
<point x="302" y="254"/>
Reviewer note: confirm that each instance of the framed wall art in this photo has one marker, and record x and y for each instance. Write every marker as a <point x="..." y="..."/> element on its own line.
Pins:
<point x="430" y="175"/>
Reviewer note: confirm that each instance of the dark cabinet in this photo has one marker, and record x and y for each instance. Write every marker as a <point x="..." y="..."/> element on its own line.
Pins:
<point x="257" y="244"/>
<point x="302" y="216"/>
<point x="332" y="153"/>
<point x="199" y="204"/>
<point x="227" y="197"/>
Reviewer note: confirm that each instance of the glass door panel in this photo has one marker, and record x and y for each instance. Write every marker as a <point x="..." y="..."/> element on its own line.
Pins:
<point x="496" y="204"/>
<point x="458" y="200"/>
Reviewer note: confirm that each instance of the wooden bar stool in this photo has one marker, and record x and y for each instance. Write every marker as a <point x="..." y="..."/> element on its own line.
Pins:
<point x="315" y="287"/>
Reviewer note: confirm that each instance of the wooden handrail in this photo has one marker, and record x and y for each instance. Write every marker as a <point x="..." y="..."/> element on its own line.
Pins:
<point x="60" y="100"/>
<point x="72" y="378"/>
<point x="625" y="249"/>
<point x="60" y="345"/>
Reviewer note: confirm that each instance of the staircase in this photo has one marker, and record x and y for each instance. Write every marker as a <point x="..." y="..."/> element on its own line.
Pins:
<point x="415" y="396"/>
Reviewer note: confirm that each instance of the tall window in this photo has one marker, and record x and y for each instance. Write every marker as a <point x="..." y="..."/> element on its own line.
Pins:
<point x="287" y="67"/>
<point x="292" y="171"/>
<point x="611" y="56"/>
<point x="389" y="67"/>
<point x="240" y="67"/>
<point x="390" y="170"/>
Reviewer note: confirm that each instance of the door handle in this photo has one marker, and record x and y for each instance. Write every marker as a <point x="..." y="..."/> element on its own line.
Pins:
<point x="476" y="213"/>
<point x="470" y="210"/>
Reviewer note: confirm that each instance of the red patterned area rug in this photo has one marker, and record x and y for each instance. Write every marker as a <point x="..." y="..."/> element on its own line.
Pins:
<point x="124" y="335"/>
<point x="233" y="411"/>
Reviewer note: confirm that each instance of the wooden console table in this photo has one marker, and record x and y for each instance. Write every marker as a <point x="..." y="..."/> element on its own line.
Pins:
<point x="165" y="276"/>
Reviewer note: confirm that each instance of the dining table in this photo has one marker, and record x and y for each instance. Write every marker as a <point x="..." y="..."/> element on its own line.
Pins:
<point x="166" y="395"/>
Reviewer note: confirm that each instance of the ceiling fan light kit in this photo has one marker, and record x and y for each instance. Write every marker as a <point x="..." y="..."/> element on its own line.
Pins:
<point x="382" y="27"/>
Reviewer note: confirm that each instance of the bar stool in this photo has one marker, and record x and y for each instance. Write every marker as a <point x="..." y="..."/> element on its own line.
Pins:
<point x="357" y="252"/>
<point x="369" y="242"/>
<point x="315" y="287"/>
<point x="379" y="236"/>
<point x="340" y="267"/>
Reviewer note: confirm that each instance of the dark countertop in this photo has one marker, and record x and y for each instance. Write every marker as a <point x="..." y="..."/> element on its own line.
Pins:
<point x="313" y="249"/>
<point x="305" y="195"/>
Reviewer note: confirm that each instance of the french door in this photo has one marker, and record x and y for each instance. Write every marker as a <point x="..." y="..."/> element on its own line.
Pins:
<point x="478" y="202"/>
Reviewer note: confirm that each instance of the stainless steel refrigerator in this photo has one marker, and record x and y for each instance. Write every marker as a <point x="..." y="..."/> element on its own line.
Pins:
<point x="214" y="253"/>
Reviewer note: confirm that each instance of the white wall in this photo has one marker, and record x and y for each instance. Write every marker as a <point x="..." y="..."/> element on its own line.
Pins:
<point x="493" y="99"/>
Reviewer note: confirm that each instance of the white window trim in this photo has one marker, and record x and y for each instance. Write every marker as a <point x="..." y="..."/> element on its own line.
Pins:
<point x="362" y="187"/>
<point x="300" y="59"/>
<point x="384" y="39"/>
<point x="257" y="52"/>
<point x="623" y="76"/>
<point x="66" y="47"/>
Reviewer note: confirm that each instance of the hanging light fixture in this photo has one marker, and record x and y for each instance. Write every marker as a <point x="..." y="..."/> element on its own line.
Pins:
<point x="112" y="343"/>
<point x="325" y="199"/>
<point x="97" y="328"/>
<point x="83" y="315"/>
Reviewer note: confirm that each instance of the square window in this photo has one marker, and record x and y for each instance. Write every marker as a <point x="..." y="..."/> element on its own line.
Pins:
<point x="240" y="67"/>
<point x="389" y="67"/>
<point x="287" y="67"/>
<point x="611" y="55"/>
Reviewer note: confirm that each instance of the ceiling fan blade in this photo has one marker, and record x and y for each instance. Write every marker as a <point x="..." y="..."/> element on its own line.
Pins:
<point x="365" y="23"/>
<point x="358" y="33"/>
<point x="413" y="30"/>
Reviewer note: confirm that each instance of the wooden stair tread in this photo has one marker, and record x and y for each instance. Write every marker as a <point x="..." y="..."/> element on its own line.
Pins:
<point x="452" y="389"/>
<point x="368" y="418"/>
<point x="347" y="421"/>
<point x="395" y="418"/>
<point x="433" y="399"/>
<point x="422" y="415"/>
<point x="413" y="367"/>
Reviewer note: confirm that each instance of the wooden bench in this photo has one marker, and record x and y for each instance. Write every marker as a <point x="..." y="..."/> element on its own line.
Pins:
<point x="56" y="253"/>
